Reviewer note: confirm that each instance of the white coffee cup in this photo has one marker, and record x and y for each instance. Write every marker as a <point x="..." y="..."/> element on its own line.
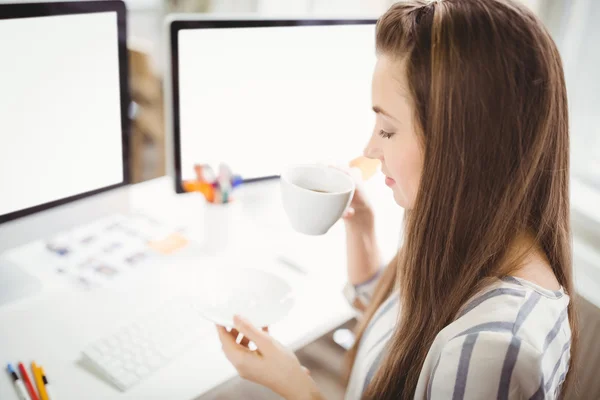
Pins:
<point x="315" y="197"/>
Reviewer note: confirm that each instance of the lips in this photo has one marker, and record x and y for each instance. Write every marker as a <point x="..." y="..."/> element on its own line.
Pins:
<point x="389" y="181"/>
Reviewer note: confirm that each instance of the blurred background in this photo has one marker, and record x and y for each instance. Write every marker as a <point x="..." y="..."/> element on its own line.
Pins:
<point x="572" y="23"/>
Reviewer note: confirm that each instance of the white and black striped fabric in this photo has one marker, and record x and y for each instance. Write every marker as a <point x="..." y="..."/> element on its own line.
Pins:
<point x="512" y="341"/>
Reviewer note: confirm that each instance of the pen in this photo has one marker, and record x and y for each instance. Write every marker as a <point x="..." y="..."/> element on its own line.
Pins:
<point x="49" y="393"/>
<point x="224" y="182"/>
<point x="37" y="376"/>
<point x="19" y="387"/>
<point x="208" y="174"/>
<point x="27" y="381"/>
<point x="236" y="181"/>
<point x="218" y="197"/>
<point x="224" y="172"/>
<point x="225" y="190"/>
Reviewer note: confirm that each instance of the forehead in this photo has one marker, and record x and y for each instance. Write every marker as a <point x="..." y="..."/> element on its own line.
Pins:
<point x="390" y="84"/>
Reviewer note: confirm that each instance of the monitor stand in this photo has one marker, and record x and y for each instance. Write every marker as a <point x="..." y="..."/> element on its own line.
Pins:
<point x="15" y="283"/>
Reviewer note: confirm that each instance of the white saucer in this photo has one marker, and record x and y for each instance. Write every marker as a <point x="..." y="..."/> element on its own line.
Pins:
<point x="260" y="297"/>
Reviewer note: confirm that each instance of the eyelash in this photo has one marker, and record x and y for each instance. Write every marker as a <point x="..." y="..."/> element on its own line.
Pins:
<point x="385" y="135"/>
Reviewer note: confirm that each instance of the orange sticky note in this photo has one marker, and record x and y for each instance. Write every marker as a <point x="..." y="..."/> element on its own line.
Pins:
<point x="367" y="166"/>
<point x="170" y="244"/>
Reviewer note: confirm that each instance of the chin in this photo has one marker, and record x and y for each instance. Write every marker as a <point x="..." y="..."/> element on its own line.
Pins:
<point x="402" y="201"/>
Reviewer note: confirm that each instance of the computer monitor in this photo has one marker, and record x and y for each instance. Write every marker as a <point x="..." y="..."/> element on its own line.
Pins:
<point x="260" y="94"/>
<point x="63" y="103"/>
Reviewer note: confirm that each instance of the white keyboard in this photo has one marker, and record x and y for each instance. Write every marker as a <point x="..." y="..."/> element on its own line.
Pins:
<point x="137" y="350"/>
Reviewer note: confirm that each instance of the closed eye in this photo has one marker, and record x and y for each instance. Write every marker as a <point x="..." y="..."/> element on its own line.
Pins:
<point x="385" y="135"/>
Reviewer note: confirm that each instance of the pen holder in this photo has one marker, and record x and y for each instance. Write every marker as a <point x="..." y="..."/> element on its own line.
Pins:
<point x="220" y="229"/>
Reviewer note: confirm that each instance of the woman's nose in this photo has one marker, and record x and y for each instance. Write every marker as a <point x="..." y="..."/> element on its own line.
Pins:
<point x="372" y="150"/>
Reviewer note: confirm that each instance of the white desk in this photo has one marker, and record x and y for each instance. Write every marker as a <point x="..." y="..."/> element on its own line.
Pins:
<point x="53" y="326"/>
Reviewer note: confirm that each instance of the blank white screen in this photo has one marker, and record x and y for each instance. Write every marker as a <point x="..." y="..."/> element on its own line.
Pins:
<point x="60" y="116"/>
<point x="260" y="98"/>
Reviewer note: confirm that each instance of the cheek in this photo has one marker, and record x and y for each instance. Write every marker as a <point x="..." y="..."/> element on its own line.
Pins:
<point x="405" y="165"/>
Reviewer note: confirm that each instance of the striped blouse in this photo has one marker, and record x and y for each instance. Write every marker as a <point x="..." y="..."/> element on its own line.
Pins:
<point x="512" y="341"/>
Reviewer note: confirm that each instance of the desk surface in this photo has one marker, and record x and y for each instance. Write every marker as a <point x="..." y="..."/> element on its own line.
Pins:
<point x="53" y="326"/>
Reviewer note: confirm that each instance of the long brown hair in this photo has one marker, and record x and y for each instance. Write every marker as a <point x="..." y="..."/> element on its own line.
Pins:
<point x="490" y="101"/>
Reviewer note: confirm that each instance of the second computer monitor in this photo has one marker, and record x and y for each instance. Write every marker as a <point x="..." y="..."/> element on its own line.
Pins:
<point x="259" y="95"/>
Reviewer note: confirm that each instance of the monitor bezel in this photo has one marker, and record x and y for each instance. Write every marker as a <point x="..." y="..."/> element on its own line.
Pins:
<point x="32" y="10"/>
<point x="177" y="24"/>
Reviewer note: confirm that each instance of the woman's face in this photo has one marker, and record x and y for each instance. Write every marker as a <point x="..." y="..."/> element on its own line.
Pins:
<point x="394" y="140"/>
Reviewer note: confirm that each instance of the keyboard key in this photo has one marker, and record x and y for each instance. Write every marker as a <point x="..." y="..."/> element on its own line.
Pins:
<point x="102" y="348"/>
<point x="142" y="371"/>
<point x="129" y="366"/>
<point x="153" y="362"/>
<point x="115" y="363"/>
<point x="95" y="353"/>
<point x="127" y="379"/>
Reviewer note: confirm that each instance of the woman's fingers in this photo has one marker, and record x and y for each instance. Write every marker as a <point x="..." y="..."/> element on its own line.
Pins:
<point x="240" y="357"/>
<point x="241" y="338"/>
<point x="258" y="336"/>
<point x="232" y="350"/>
<point x="227" y="338"/>
<point x="349" y="213"/>
<point x="245" y="341"/>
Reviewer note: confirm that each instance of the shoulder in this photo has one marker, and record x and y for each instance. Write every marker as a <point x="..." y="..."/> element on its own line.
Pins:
<point x="509" y="340"/>
<point x="483" y="364"/>
<point x="518" y="307"/>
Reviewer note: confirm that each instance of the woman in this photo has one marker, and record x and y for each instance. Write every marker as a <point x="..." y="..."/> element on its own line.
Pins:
<point x="472" y="134"/>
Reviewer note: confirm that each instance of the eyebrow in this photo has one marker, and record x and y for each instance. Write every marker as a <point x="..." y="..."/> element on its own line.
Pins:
<point x="379" y="110"/>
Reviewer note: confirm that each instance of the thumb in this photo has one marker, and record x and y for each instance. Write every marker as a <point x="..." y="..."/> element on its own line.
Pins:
<point x="349" y="213"/>
<point x="258" y="336"/>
